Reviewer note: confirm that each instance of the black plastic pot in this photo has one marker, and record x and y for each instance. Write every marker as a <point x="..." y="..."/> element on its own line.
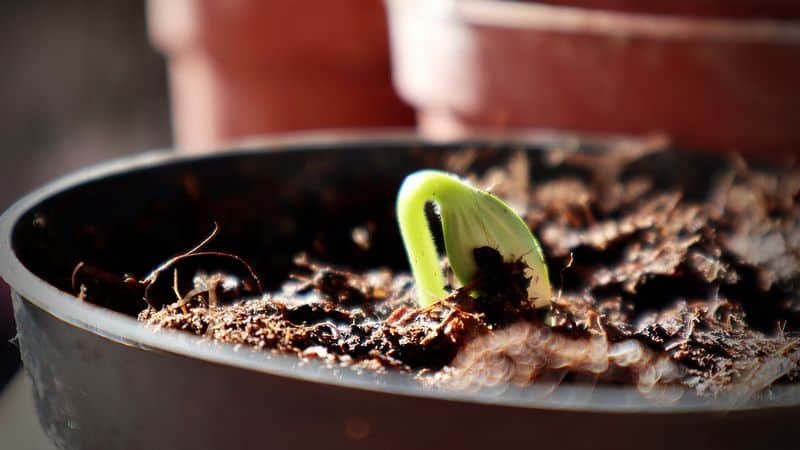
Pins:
<point x="103" y="381"/>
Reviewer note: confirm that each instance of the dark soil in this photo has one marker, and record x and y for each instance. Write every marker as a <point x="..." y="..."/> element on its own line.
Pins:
<point x="654" y="287"/>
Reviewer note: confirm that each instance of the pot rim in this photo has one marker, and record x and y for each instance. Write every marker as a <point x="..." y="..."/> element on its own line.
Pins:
<point x="128" y="331"/>
<point x="614" y="24"/>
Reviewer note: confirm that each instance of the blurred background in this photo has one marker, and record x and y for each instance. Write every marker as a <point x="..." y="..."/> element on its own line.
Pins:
<point x="89" y="80"/>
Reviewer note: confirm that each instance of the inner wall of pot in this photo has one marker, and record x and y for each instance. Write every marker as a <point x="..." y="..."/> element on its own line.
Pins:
<point x="270" y="206"/>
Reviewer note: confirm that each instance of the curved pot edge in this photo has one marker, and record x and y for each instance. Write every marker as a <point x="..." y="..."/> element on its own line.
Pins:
<point x="574" y="20"/>
<point x="127" y="331"/>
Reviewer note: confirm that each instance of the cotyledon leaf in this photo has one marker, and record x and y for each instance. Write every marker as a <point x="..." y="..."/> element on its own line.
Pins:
<point x="471" y="218"/>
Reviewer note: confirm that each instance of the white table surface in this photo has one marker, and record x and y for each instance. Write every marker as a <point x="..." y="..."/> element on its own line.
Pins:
<point x="19" y="427"/>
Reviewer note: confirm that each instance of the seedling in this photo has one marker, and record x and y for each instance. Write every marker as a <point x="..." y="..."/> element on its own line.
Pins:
<point x="470" y="218"/>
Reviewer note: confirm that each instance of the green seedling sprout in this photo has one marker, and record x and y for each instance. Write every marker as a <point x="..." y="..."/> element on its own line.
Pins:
<point x="471" y="218"/>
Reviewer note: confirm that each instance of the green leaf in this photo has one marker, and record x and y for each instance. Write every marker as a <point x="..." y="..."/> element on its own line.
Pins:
<point x="471" y="218"/>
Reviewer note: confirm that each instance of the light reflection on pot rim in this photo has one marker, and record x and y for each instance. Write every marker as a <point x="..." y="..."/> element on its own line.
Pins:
<point x="617" y="24"/>
<point x="128" y="331"/>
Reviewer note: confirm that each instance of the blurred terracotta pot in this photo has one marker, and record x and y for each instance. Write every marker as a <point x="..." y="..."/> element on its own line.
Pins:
<point x="246" y="67"/>
<point x="728" y="84"/>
